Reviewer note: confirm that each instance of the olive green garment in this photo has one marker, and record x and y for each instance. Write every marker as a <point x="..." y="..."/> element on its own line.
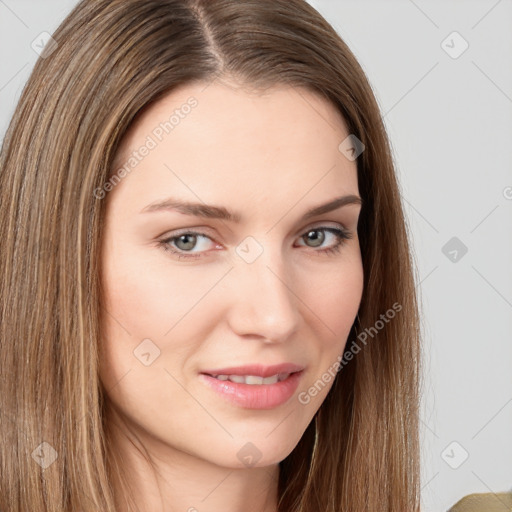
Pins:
<point x="484" y="502"/>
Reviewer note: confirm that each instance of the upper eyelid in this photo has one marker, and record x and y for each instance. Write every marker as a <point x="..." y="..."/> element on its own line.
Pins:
<point x="205" y="231"/>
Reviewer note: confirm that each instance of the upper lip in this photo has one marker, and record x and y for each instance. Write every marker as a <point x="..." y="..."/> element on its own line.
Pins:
<point x="258" y="370"/>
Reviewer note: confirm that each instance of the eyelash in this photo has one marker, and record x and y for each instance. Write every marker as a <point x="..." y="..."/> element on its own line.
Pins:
<point x="342" y="236"/>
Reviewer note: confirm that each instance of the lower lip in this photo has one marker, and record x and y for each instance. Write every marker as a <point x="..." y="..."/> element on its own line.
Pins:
<point x="257" y="396"/>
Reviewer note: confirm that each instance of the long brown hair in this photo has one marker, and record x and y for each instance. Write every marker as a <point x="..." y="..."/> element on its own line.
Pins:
<point x="111" y="59"/>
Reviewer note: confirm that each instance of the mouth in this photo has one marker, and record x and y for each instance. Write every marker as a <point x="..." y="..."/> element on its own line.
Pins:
<point x="253" y="391"/>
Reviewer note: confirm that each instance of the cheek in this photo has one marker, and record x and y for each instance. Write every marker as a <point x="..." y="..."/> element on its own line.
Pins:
<point x="149" y="333"/>
<point x="336" y="303"/>
<point x="332" y="313"/>
<point x="147" y="298"/>
<point x="146" y="292"/>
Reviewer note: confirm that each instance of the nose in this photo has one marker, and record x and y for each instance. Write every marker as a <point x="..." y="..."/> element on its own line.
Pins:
<point x="262" y="299"/>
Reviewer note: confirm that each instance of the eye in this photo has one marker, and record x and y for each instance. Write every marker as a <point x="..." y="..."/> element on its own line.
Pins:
<point x="340" y="235"/>
<point x="184" y="242"/>
<point x="181" y="245"/>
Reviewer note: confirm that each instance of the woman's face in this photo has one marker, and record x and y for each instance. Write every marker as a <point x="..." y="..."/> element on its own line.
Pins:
<point x="188" y="290"/>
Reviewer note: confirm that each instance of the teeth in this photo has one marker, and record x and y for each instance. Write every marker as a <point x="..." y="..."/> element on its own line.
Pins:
<point x="256" y="380"/>
<point x="253" y="379"/>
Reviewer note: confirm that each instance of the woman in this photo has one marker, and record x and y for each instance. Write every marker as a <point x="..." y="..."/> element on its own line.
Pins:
<point x="136" y="362"/>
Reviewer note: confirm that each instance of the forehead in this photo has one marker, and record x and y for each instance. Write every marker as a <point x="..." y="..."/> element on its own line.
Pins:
<point x="282" y="141"/>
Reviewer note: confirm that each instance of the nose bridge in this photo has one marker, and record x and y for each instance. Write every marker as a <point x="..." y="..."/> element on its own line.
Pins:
<point x="264" y="302"/>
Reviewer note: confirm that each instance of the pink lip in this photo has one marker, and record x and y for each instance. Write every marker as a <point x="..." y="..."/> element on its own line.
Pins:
<point x="256" y="370"/>
<point x="248" y="396"/>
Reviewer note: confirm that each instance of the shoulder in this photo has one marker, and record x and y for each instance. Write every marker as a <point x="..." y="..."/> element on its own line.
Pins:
<point x="484" y="502"/>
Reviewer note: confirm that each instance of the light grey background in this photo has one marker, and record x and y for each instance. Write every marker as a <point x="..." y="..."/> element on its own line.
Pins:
<point x="450" y="123"/>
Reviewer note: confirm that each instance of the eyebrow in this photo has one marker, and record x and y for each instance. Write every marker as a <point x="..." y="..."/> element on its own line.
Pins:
<point x="219" y="212"/>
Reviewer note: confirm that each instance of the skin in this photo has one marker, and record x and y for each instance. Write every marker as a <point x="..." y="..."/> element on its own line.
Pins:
<point x="269" y="156"/>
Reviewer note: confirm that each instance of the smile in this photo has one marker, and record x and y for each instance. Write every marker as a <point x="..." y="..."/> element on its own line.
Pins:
<point x="254" y="392"/>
